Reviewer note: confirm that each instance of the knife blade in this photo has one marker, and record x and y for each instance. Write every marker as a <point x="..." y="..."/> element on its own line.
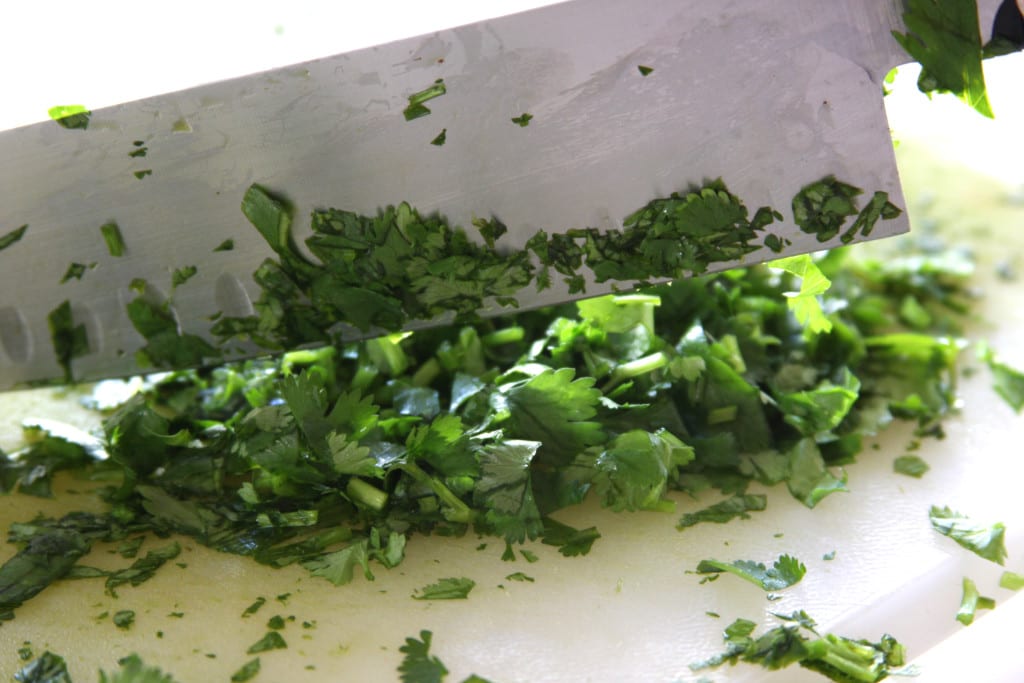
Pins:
<point x="766" y="96"/>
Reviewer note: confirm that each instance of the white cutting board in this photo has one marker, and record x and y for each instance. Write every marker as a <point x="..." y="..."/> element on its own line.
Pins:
<point x="628" y="611"/>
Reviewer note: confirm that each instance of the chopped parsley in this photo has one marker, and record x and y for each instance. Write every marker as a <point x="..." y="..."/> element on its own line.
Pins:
<point x="446" y="589"/>
<point x="418" y="665"/>
<point x="519" y="576"/>
<point x="1011" y="580"/>
<point x="836" y="657"/>
<point x="247" y="671"/>
<point x="983" y="540"/>
<point x="1008" y="382"/>
<point x="124" y="618"/>
<point x="69" y="340"/>
<point x="783" y="573"/>
<point x="271" y="641"/>
<point x="133" y="670"/>
<point x="727" y="510"/>
<point x="48" y="668"/>
<point x="971" y="602"/>
<point x="644" y="70"/>
<point x="76" y="270"/>
<point x="142" y="174"/>
<point x="12" y="237"/>
<point x="823" y="207"/>
<point x="910" y="465"/>
<point x="254" y="607"/>
<point x="71" y="116"/>
<point x="416" y="109"/>
<point x="523" y="120"/>
<point x="226" y="245"/>
<point x="441" y="138"/>
<point x="112" y="237"/>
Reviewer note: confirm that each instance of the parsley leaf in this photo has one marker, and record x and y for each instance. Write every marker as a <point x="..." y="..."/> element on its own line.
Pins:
<point x="441" y="138"/>
<point x="339" y="566"/>
<point x="451" y="588"/>
<point x="984" y="541"/>
<point x="113" y="239"/>
<point x="570" y="542"/>
<point x="785" y="571"/>
<point x="945" y="38"/>
<point x="735" y="507"/>
<point x="813" y="283"/>
<point x="418" y="665"/>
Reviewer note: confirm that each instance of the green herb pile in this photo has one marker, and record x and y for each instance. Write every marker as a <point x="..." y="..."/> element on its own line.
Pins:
<point x="331" y="458"/>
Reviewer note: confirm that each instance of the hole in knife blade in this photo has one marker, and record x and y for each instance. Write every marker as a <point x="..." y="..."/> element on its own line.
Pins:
<point x="15" y="337"/>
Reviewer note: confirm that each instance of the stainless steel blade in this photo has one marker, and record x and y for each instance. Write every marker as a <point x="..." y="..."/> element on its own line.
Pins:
<point x="766" y="95"/>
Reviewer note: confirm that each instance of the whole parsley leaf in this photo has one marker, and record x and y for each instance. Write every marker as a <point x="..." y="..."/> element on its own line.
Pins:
<point x="785" y="571"/>
<point x="945" y="38"/>
<point x="452" y="588"/>
<point x="983" y="540"/>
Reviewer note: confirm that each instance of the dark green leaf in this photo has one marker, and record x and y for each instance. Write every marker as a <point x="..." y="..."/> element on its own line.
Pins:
<point x="727" y="510"/>
<point x="418" y="665"/>
<point x="48" y="668"/>
<point x="452" y="588"/>
<point x="271" y="641"/>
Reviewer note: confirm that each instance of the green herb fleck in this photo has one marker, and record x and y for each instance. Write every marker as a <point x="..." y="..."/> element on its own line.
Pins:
<point x="523" y="120"/>
<point x="829" y="556"/>
<point x="519" y="576"/>
<point x="76" y="270"/>
<point x="142" y="174"/>
<point x="71" y="116"/>
<point x="983" y="540"/>
<point x="1011" y="580"/>
<point x="729" y="509"/>
<point x="247" y="671"/>
<point x="416" y="108"/>
<point x="644" y="70"/>
<point x="910" y="465"/>
<point x="271" y="641"/>
<point x="1008" y="382"/>
<point x="441" y="138"/>
<point x="69" y="340"/>
<point x="112" y="236"/>
<point x="124" y="618"/>
<point x="12" y="237"/>
<point x="142" y="569"/>
<point x="276" y="622"/>
<point x="134" y="671"/>
<point x="451" y="588"/>
<point x="254" y="607"/>
<point x="226" y="245"/>
<point x="49" y="668"/>
<point x="182" y="275"/>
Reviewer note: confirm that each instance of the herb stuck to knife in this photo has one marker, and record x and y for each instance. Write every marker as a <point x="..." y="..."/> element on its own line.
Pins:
<point x="71" y="116"/>
<point x="12" y="237"/>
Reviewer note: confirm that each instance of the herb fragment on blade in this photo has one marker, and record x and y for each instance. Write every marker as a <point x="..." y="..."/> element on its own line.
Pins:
<point x="822" y="208"/>
<point x="416" y="109"/>
<point x="983" y="540"/>
<point x="12" y="237"/>
<point x="69" y="340"/>
<point x="784" y="572"/>
<point x="113" y="239"/>
<point x="523" y="120"/>
<point x="71" y="116"/>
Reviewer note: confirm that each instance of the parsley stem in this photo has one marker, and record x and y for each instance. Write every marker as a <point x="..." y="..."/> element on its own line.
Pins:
<point x="456" y="511"/>
<point x="635" y="368"/>
<point x="367" y="494"/>
<point x="507" y="335"/>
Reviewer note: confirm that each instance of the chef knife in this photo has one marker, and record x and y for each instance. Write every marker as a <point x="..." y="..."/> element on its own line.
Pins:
<point x="629" y="101"/>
